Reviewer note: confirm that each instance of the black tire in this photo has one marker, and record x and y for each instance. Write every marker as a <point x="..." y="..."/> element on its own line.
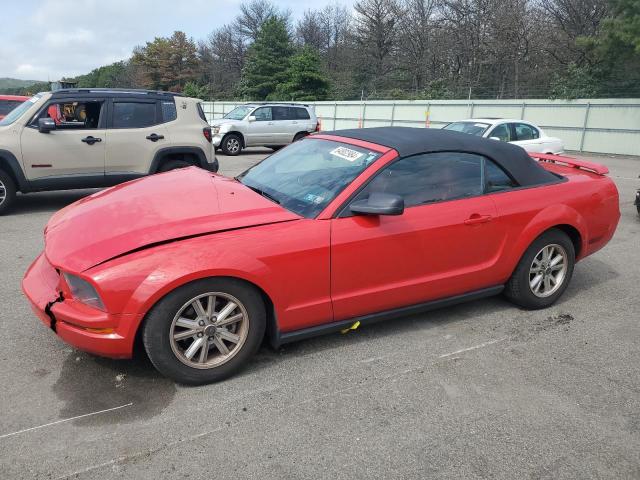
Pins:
<point x="275" y="148"/>
<point x="518" y="289"/>
<point x="173" y="164"/>
<point x="7" y="192"/>
<point x="156" y="331"/>
<point x="300" y="136"/>
<point x="231" y="144"/>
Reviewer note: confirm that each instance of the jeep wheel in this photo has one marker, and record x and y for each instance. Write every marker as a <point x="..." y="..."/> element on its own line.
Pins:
<point x="231" y="145"/>
<point x="300" y="136"/>
<point x="7" y="192"/>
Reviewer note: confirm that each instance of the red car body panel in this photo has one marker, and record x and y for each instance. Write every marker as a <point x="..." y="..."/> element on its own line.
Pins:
<point x="137" y="242"/>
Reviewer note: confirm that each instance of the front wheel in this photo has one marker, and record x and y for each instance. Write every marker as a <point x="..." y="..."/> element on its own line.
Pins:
<point x="544" y="271"/>
<point x="205" y="331"/>
<point x="231" y="144"/>
<point x="7" y="192"/>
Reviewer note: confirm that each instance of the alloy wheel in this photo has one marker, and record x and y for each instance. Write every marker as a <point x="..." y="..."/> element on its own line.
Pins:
<point x="3" y="192"/>
<point x="233" y="145"/>
<point x="548" y="270"/>
<point x="209" y="330"/>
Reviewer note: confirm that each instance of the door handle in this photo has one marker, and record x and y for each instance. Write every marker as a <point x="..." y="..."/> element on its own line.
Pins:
<point x="477" y="219"/>
<point x="91" y="140"/>
<point x="154" y="137"/>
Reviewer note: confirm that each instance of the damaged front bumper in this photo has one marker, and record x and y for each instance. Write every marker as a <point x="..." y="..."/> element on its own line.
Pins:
<point x="77" y="324"/>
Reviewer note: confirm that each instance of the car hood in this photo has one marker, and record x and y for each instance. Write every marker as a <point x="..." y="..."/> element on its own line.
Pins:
<point x="154" y="210"/>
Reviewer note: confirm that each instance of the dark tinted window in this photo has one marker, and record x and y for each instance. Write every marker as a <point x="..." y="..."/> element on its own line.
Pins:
<point x="169" y="111"/>
<point x="526" y="132"/>
<point x="301" y="113"/>
<point x="263" y="114"/>
<point x="431" y="177"/>
<point x="495" y="178"/>
<point x="72" y="115"/>
<point x="201" y="112"/>
<point x="133" y="115"/>
<point x="7" y="105"/>
<point x="282" y="113"/>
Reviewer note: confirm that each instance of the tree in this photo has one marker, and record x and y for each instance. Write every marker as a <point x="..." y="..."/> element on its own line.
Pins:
<point x="168" y="63"/>
<point x="305" y="79"/>
<point x="254" y="14"/>
<point x="267" y="60"/>
<point x="117" y="75"/>
<point x="222" y="57"/>
<point x="193" y="90"/>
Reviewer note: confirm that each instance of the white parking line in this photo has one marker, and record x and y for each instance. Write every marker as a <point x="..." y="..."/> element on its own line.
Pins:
<point x="64" y="420"/>
<point x="475" y="347"/>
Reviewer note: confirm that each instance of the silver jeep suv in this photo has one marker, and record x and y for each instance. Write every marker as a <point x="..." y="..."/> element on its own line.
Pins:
<point x="263" y="125"/>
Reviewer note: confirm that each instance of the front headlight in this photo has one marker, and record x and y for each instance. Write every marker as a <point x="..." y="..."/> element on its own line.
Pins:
<point x="215" y="129"/>
<point x="83" y="291"/>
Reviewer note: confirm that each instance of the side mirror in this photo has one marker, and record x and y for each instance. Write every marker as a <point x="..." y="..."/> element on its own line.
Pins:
<point x="45" y="125"/>
<point x="494" y="138"/>
<point x="251" y="118"/>
<point x="379" y="204"/>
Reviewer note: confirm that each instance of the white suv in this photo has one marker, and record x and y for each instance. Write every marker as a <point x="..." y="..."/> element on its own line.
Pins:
<point x="88" y="138"/>
<point x="263" y="125"/>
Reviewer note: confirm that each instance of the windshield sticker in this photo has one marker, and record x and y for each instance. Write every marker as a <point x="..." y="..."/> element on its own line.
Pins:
<point x="311" y="198"/>
<point x="346" y="153"/>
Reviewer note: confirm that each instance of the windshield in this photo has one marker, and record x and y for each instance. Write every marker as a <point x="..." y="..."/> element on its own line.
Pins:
<point x="473" y="128"/>
<point x="238" y="113"/>
<point x="17" y="112"/>
<point x="307" y="175"/>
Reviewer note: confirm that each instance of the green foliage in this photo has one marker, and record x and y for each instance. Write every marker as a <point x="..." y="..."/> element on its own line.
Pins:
<point x="305" y="80"/>
<point x="268" y="60"/>
<point x="28" y="88"/>
<point x="167" y="63"/>
<point x="575" y="82"/>
<point x="192" y="89"/>
<point x="110" y="76"/>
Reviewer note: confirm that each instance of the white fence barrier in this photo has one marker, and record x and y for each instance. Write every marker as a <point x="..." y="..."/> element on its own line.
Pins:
<point x="597" y="125"/>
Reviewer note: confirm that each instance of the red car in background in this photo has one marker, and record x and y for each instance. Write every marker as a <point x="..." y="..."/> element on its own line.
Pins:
<point x="344" y="227"/>
<point x="9" y="102"/>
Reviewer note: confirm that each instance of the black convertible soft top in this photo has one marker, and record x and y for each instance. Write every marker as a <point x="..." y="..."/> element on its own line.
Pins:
<point x="411" y="141"/>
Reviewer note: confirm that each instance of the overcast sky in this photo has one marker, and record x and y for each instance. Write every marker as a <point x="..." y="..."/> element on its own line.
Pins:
<point x="49" y="39"/>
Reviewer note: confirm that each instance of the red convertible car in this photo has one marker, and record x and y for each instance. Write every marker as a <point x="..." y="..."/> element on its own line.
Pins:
<point x="344" y="227"/>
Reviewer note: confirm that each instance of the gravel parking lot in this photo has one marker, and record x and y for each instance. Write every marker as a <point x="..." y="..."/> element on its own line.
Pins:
<point x="481" y="390"/>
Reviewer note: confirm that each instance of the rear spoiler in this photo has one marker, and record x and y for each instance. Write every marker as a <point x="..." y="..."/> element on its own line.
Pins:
<point x="571" y="162"/>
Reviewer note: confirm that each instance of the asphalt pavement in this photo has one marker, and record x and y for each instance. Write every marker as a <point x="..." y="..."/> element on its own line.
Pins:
<point x="480" y="390"/>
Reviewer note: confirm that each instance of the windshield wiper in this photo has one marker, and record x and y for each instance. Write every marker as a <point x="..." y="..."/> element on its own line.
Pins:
<point x="264" y="194"/>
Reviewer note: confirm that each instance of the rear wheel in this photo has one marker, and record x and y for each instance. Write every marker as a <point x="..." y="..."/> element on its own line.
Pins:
<point x="544" y="271"/>
<point x="231" y="144"/>
<point x="205" y="331"/>
<point x="300" y="136"/>
<point x="7" y="192"/>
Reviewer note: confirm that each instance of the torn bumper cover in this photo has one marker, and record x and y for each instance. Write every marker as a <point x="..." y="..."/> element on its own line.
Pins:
<point x="77" y="324"/>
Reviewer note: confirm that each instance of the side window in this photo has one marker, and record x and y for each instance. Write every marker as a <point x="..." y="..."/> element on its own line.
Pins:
<point x="503" y="132"/>
<point x="263" y="114"/>
<point x="71" y="115"/>
<point x="200" y="112"/>
<point x="301" y="114"/>
<point x="282" y="113"/>
<point x="169" y="112"/>
<point x="133" y="115"/>
<point x="429" y="178"/>
<point x="496" y="179"/>
<point x="526" y="132"/>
